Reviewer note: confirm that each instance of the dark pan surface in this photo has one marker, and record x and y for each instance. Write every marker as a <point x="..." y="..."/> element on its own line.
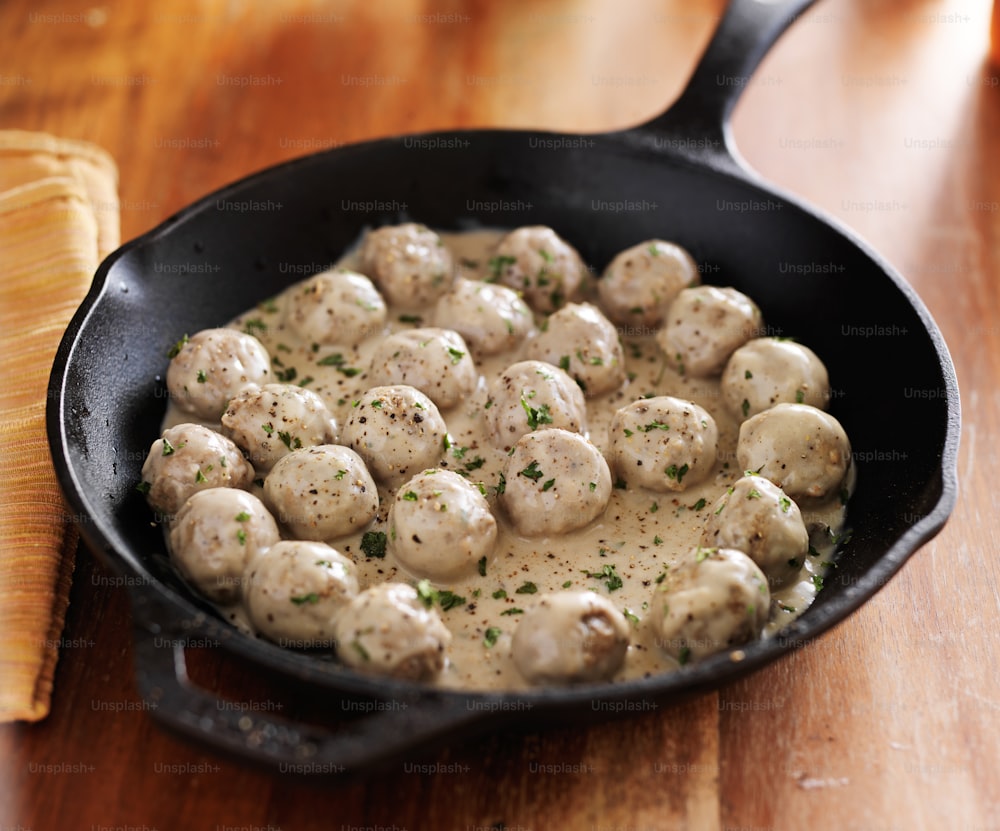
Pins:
<point x="894" y="386"/>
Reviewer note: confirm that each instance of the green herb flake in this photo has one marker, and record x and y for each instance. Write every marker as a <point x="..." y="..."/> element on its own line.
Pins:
<point x="175" y="350"/>
<point x="373" y="544"/>
<point x="410" y="496"/>
<point x="357" y="647"/>
<point x="449" y="600"/>
<point x="564" y="363"/>
<point x="303" y="599"/>
<point x="609" y="575"/>
<point x="684" y="655"/>
<point x="699" y="504"/>
<point x="168" y="448"/>
<point x="745" y="407"/>
<point x="631" y="616"/>
<point x="456" y="355"/>
<point x="498" y="264"/>
<point x="243" y="516"/>
<point x="427" y="593"/>
<point x="536" y="416"/>
<point x="817" y="582"/>
<point x="513" y="610"/>
<point x="678" y="473"/>
<point x="491" y="636"/>
<point x="202" y="376"/>
<point x="499" y="594"/>
<point x="527" y="588"/>
<point x="340" y="474"/>
<point x="531" y="472"/>
<point x="548" y="485"/>
<point x="290" y="441"/>
<point x="800" y="396"/>
<point x="241" y="536"/>
<point x="785" y="504"/>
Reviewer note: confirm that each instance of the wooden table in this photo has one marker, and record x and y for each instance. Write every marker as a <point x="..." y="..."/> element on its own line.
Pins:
<point x="883" y="113"/>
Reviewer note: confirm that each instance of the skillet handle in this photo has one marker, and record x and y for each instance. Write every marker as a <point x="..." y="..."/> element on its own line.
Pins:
<point x="698" y="120"/>
<point x="388" y="730"/>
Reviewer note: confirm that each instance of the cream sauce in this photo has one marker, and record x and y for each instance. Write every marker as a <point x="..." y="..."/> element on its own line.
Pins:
<point x="639" y="535"/>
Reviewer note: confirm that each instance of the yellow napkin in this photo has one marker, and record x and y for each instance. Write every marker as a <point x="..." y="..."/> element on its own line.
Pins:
<point x="58" y="218"/>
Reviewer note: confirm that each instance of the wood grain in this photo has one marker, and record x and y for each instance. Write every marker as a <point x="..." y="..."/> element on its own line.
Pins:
<point x="881" y="112"/>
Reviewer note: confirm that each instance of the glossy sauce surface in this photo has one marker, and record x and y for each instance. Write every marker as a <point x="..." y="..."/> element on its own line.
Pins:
<point x="620" y="555"/>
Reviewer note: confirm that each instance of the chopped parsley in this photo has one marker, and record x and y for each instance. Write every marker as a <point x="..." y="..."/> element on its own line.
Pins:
<point x="410" y="496"/>
<point x="513" y="610"/>
<point x="373" y="544"/>
<point x="301" y="600"/>
<point x="491" y="636"/>
<point x="202" y="376"/>
<point x="338" y="361"/>
<point x="609" y="575"/>
<point x="536" y="416"/>
<point x="527" y="588"/>
<point x="481" y="566"/>
<point x="456" y="355"/>
<point x="175" y="350"/>
<point x="290" y="441"/>
<point x="532" y="472"/>
<point x="678" y="473"/>
<point x="548" y="485"/>
<point x="498" y="264"/>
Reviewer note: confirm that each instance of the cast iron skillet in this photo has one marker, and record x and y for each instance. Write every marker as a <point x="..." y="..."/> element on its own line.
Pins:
<point x="676" y="177"/>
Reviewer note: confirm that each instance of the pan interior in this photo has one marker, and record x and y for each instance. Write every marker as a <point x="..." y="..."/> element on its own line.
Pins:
<point x="891" y="388"/>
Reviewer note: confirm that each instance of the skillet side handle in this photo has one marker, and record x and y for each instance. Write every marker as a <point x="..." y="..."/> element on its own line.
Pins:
<point x="697" y="123"/>
<point x="388" y="731"/>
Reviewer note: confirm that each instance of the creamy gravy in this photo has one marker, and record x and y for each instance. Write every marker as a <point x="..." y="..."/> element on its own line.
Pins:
<point x="639" y="535"/>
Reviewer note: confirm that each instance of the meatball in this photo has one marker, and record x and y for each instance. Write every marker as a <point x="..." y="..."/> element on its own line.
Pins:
<point x="397" y="430"/>
<point x="570" y="636"/>
<point x="335" y="307"/>
<point x="554" y="481"/>
<point x="663" y="443"/>
<point x="269" y="422"/>
<point x="295" y="590"/>
<point x="756" y="517"/>
<point x="213" y="536"/>
<point x="409" y="263"/>
<point x="533" y="395"/>
<point x="212" y="366"/>
<point x="489" y="317"/>
<point x="802" y="449"/>
<point x="440" y="526"/>
<point x="704" y="326"/>
<point x="583" y="342"/>
<point x="537" y="262"/>
<point x="322" y="492"/>
<point x="769" y="371"/>
<point x="640" y="283"/>
<point x="435" y="361"/>
<point x="189" y="458"/>
<point x="388" y="630"/>
<point x="714" y="598"/>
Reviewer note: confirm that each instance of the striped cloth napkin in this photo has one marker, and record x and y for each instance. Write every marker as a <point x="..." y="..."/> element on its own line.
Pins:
<point x="58" y="219"/>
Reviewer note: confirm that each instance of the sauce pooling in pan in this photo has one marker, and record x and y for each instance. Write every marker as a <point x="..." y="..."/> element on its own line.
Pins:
<point x="458" y="458"/>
